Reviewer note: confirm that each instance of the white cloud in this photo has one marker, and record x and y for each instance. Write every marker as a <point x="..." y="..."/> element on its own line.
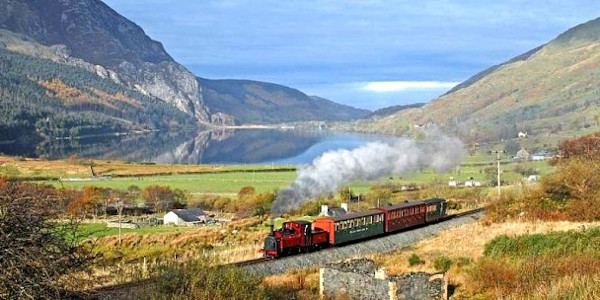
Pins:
<point x="395" y="86"/>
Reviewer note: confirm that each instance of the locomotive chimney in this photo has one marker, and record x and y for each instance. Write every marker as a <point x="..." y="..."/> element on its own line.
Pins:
<point x="271" y="227"/>
<point x="345" y="206"/>
<point x="324" y="210"/>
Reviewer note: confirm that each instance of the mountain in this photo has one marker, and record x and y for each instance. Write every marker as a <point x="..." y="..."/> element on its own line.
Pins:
<point x="261" y="102"/>
<point x="90" y="35"/>
<point x="550" y="90"/>
<point x="90" y="31"/>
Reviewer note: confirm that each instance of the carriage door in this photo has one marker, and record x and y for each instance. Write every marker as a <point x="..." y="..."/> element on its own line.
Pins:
<point x="306" y="234"/>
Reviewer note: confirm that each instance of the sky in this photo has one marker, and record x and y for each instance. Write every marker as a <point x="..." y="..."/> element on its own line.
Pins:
<point x="365" y="53"/>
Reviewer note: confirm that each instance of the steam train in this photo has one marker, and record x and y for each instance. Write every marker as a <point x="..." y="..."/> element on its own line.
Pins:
<point x="302" y="236"/>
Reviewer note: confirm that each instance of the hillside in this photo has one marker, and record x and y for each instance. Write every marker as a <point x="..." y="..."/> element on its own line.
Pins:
<point x="551" y="90"/>
<point x="42" y="97"/>
<point x="261" y="102"/>
<point x="390" y="110"/>
<point x="91" y="31"/>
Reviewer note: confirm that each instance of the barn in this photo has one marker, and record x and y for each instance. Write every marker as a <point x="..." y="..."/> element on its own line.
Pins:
<point x="186" y="217"/>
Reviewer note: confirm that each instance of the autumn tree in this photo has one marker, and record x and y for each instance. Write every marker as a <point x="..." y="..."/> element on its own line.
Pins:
<point x="88" y="203"/>
<point x="160" y="197"/>
<point x="179" y="198"/>
<point x="36" y="253"/>
<point x="587" y="146"/>
<point x="246" y="191"/>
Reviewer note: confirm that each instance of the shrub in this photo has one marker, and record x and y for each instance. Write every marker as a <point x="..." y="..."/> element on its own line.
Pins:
<point x="200" y="279"/>
<point x="414" y="259"/>
<point x="464" y="261"/>
<point x="442" y="263"/>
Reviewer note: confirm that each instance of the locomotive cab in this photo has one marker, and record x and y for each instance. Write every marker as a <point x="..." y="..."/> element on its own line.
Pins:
<point x="293" y="237"/>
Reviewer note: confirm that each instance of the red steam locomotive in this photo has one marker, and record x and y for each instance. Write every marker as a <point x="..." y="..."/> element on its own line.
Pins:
<point x="302" y="236"/>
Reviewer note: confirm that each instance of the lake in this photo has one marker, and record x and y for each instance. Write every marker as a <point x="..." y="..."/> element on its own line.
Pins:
<point x="239" y="146"/>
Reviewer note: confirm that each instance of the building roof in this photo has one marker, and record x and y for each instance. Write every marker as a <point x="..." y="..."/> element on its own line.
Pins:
<point x="542" y="152"/>
<point x="189" y="215"/>
<point x="336" y="211"/>
<point x="433" y="200"/>
<point x="354" y="215"/>
<point x="401" y="205"/>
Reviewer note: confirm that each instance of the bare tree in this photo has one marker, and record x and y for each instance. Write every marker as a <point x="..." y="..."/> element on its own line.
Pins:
<point x="36" y="250"/>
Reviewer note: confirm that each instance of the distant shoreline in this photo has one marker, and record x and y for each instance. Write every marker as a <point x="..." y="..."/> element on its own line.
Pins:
<point x="255" y="126"/>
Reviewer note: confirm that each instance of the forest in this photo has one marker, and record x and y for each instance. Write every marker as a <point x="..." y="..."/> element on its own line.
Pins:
<point x="39" y="97"/>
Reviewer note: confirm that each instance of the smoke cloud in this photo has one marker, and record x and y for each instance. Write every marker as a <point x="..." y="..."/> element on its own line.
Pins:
<point x="370" y="162"/>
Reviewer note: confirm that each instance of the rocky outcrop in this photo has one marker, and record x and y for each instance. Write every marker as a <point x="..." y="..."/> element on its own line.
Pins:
<point x="168" y="81"/>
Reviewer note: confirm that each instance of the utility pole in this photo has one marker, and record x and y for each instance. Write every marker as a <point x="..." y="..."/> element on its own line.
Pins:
<point x="120" y="209"/>
<point x="498" y="160"/>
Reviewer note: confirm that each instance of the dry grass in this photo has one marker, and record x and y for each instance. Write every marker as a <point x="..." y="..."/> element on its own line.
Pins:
<point x="81" y="168"/>
<point x="237" y="241"/>
<point x="466" y="242"/>
<point x="295" y="284"/>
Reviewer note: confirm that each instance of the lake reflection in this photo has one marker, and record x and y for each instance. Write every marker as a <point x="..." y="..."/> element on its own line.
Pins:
<point x="256" y="146"/>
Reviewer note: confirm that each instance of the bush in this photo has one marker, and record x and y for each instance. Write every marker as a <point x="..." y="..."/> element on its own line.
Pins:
<point x="552" y="244"/>
<point x="442" y="263"/>
<point x="199" y="279"/>
<point x="414" y="259"/>
<point x="36" y="253"/>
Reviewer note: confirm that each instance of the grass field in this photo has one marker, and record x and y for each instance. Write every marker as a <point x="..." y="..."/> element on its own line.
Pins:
<point x="222" y="183"/>
<point x="98" y="230"/>
<point x="212" y="179"/>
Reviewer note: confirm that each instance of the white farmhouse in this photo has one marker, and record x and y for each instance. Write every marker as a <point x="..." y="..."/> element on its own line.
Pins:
<point x="185" y="217"/>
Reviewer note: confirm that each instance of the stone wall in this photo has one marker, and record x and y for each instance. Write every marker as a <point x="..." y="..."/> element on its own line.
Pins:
<point x="354" y="280"/>
<point x="420" y="286"/>
<point x="360" y="279"/>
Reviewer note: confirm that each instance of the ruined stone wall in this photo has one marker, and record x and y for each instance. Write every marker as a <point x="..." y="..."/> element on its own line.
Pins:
<point x="360" y="279"/>
<point x="336" y="284"/>
<point x="420" y="286"/>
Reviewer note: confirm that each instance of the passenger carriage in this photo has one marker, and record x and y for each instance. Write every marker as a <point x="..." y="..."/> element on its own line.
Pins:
<point x="436" y="209"/>
<point x="404" y="215"/>
<point x="351" y="227"/>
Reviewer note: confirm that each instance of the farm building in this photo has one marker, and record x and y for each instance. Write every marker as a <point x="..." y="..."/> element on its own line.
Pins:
<point x="185" y="217"/>
<point x="522" y="155"/>
<point x="541" y="155"/>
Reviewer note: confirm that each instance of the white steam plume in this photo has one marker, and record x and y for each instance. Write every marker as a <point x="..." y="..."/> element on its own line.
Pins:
<point x="372" y="161"/>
